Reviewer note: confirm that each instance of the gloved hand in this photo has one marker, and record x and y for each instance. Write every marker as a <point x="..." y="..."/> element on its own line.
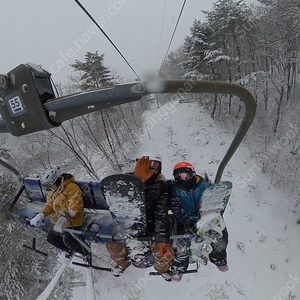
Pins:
<point x="142" y="169"/>
<point x="165" y="250"/>
<point x="70" y="212"/>
<point x="58" y="227"/>
<point x="37" y="219"/>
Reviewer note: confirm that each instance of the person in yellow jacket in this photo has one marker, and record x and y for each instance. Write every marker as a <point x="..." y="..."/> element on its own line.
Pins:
<point x="65" y="205"/>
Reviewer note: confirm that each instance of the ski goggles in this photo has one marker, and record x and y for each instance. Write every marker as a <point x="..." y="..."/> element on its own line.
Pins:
<point x="183" y="174"/>
<point x="155" y="165"/>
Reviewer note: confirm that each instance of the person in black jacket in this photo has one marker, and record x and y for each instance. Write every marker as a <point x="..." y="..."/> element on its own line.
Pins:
<point x="148" y="169"/>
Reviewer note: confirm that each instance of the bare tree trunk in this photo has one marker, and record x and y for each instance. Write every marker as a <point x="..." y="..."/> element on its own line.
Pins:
<point x="127" y="125"/>
<point x="93" y="136"/>
<point x="69" y="140"/>
<point x="278" y="111"/>
<point x="129" y="128"/>
<point x="116" y="136"/>
<point x="214" y="106"/>
<point x="110" y="143"/>
<point x="266" y="95"/>
<point x="229" y="104"/>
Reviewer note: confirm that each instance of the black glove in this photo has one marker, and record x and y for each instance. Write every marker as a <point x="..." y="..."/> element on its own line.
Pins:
<point x="191" y="227"/>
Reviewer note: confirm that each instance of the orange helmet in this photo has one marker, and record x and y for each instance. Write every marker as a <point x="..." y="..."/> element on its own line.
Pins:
<point x="184" y="174"/>
<point x="184" y="164"/>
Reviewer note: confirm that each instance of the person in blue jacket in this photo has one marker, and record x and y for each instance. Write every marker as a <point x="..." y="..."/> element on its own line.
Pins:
<point x="185" y="201"/>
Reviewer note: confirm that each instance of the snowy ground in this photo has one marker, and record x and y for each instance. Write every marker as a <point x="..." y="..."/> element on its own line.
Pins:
<point x="263" y="250"/>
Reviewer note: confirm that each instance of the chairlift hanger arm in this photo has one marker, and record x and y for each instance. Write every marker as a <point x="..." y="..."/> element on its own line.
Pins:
<point x="71" y="106"/>
<point x="28" y="103"/>
<point x="82" y="103"/>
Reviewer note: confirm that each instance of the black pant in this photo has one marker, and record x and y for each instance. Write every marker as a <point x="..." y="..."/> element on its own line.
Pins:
<point x="219" y="255"/>
<point x="182" y="255"/>
<point x="65" y="241"/>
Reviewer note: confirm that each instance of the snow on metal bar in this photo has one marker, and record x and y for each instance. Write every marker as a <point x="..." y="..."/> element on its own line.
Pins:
<point x="90" y="289"/>
<point x="50" y="287"/>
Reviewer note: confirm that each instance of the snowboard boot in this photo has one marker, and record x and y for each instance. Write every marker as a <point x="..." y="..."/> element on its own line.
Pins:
<point x="202" y="259"/>
<point x="166" y="276"/>
<point x="176" y="276"/>
<point x="223" y="269"/>
<point x="117" y="271"/>
<point x="69" y="254"/>
<point x="87" y="257"/>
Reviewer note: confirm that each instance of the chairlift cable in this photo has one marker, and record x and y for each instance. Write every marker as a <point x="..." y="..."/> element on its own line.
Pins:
<point x="161" y="31"/>
<point x="174" y="30"/>
<point x="96" y="23"/>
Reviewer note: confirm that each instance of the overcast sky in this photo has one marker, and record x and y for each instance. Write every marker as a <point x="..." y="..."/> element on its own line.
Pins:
<point x="55" y="33"/>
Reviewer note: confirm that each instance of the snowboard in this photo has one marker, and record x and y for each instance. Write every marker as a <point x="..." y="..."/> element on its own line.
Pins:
<point x="125" y="196"/>
<point x="210" y="225"/>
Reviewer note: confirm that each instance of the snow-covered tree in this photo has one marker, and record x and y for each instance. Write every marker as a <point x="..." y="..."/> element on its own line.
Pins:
<point x="172" y="68"/>
<point x="230" y="23"/>
<point x="93" y="72"/>
<point x="196" y="46"/>
<point x="111" y="139"/>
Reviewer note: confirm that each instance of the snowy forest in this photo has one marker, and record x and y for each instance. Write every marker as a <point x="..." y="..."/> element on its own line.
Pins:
<point x="255" y="46"/>
<point x="258" y="48"/>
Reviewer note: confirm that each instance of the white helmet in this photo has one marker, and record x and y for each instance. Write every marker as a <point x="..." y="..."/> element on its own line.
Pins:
<point x="152" y="156"/>
<point x="50" y="176"/>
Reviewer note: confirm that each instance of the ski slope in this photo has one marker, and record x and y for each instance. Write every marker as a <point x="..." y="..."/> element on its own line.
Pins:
<point x="263" y="250"/>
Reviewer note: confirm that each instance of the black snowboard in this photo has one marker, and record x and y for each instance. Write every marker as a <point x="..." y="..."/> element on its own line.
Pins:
<point x="125" y="196"/>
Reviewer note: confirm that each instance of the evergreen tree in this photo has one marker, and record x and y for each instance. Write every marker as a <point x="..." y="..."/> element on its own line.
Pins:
<point x="196" y="46"/>
<point x="115" y="138"/>
<point x="94" y="74"/>
<point x="229" y="21"/>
